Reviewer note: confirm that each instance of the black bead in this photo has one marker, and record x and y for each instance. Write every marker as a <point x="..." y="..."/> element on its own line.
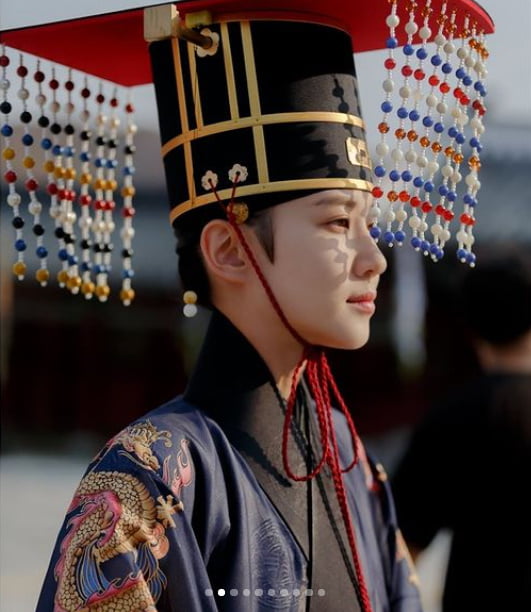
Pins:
<point x="111" y="143"/>
<point x="25" y="117"/>
<point x="97" y="248"/>
<point x="55" y="128"/>
<point x="18" y="222"/>
<point x="69" y="129"/>
<point x="127" y="253"/>
<point x="100" y="141"/>
<point x="85" y="244"/>
<point x="59" y="232"/>
<point x="68" y="238"/>
<point x="5" y="107"/>
<point x="38" y="230"/>
<point x="130" y="149"/>
<point x="86" y="135"/>
<point x="43" y="121"/>
<point x="108" y="248"/>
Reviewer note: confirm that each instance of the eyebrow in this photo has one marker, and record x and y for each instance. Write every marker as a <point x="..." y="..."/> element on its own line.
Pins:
<point x="328" y="200"/>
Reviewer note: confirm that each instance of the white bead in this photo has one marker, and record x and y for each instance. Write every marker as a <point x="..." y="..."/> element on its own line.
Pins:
<point x="461" y="236"/>
<point x="418" y="94"/>
<point x="382" y="149"/>
<point x="189" y="310"/>
<point x="84" y="115"/>
<point x="457" y="177"/>
<point x="423" y="227"/>
<point x="475" y="123"/>
<point x="425" y="32"/>
<point x="436" y="229"/>
<point x="71" y="217"/>
<point x="110" y="227"/>
<point x="404" y="92"/>
<point x="411" y="156"/>
<point x="401" y="215"/>
<point x="397" y="155"/>
<point x="442" y="107"/>
<point x="411" y="27"/>
<point x="115" y="122"/>
<point x="470" y="62"/>
<point x="99" y="226"/>
<point x="4" y="84"/>
<point x="374" y="212"/>
<point x="439" y="39"/>
<point x="388" y="85"/>
<point x="447" y="171"/>
<point x="392" y="20"/>
<point x="455" y="112"/>
<point x="35" y="208"/>
<point x="69" y="108"/>
<point x="446" y="235"/>
<point x="54" y="107"/>
<point x="132" y="128"/>
<point x="433" y="167"/>
<point x="481" y="129"/>
<point x="85" y="222"/>
<point x="55" y="212"/>
<point x="40" y="99"/>
<point x="414" y="222"/>
<point x="449" y="48"/>
<point x="23" y="93"/>
<point x="422" y="161"/>
<point x="390" y="216"/>
<point x="471" y="179"/>
<point x="478" y="67"/>
<point x="431" y="100"/>
<point x="127" y="232"/>
<point x="462" y="53"/>
<point x="101" y="119"/>
<point x="14" y="199"/>
<point x="463" y="118"/>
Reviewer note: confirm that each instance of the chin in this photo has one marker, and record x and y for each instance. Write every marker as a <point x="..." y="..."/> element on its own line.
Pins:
<point x="347" y="340"/>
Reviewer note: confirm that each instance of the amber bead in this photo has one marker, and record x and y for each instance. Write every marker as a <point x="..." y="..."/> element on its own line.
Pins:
<point x="392" y="196"/>
<point x="436" y="147"/>
<point x="383" y="127"/>
<point x="42" y="276"/>
<point x="412" y="135"/>
<point x="424" y="142"/>
<point x="19" y="269"/>
<point x="400" y="133"/>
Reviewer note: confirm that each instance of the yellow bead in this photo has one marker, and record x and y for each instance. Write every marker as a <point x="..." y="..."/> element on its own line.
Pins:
<point x="111" y="185"/>
<point x="59" y="172"/>
<point x="73" y="282"/>
<point x="8" y="153"/>
<point x="70" y="173"/>
<point x="28" y="162"/>
<point x="128" y="191"/>
<point x="85" y="178"/>
<point x="19" y="269"/>
<point x="49" y="166"/>
<point x="62" y="277"/>
<point x="190" y="297"/>
<point x="99" y="184"/>
<point x="127" y="296"/>
<point x="42" y="276"/>
<point x="102" y="291"/>
<point x="87" y="289"/>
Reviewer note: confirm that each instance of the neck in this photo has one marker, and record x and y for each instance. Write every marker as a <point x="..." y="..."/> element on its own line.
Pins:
<point x="514" y="358"/>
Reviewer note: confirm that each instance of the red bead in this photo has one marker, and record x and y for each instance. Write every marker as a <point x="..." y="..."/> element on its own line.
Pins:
<point x="22" y="71"/>
<point x="448" y="215"/>
<point x="128" y="211"/>
<point x="377" y="191"/>
<point x="433" y="80"/>
<point x="403" y="196"/>
<point x="4" y="61"/>
<point x="439" y="209"/>
<point x="70" y="195"/>
<point x="61" y="193"/>
<point x="10" y="176"/>
<point x="458" y="93"/>
<point x="426" y="207"/>
<point x="464" y="218"/>
<point x="52" y="188"/>
<point x="444" y="87"/>
<point x="39" y="76"/>
<point x="407" y="71"/>
<point x="54" y="84"/>
<point x="100" y="98"/>
<point x="464" y="100"/>
<point x="69" y="85"/>
<point x="129" y="108"/>
<point x="99" y="204"/>
<point x="415" y="201"/>
<point x="114" y="102"/>
<point x="419" y="74"/>
<point x="85" y="199"/>
<point x="85" y="92"/>
<point x="109" y="205"/>
<point x="31" y="184"/>
<point x="389" y="63"/>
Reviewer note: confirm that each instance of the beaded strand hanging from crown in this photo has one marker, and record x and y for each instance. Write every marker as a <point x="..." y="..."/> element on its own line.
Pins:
<point x="75" y="198"/>
<point x="439" y="108"/>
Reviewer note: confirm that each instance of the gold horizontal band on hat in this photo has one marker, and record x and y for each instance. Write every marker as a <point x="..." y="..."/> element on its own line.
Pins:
<point x="262" y="188"/>
<point x="246" y="122"/>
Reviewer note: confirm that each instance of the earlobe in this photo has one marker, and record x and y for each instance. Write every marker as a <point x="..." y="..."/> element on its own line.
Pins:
<point x="222" y="252"/>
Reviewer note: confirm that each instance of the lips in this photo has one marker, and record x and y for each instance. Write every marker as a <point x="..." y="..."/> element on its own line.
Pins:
<point x="364" y="302"/>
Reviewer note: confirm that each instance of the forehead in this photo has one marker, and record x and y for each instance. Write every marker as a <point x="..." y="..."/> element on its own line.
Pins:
<point x="350" y="199"/>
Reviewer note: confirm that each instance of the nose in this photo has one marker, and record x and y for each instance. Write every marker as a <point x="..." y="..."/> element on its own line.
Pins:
<point x="369" y="260"/>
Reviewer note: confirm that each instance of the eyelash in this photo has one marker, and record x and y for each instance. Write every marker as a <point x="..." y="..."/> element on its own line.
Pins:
<point x="342" y="221"/>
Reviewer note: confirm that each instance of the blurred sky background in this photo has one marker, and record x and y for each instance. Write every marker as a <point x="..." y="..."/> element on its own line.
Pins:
<point x="34" y="490"/>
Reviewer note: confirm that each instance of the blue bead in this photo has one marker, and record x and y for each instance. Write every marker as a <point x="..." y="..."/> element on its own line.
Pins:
<point x="479" y="148"/>
<point x="62" y="254"/>
<point x="20" y="245"/>
<point x="111" y="163"/>
<point x="467" y="198"/>
<point x="406" y="176"/>
<point x="433" y="249"/>
<point x="400" y="236"/>
<point x="86" y="266"/>
<point x="389" y="237"/>
<point x="99" y="162"/>
<point x="57" y="150"/>
<point x="402" y="112"/>
<point x="46" y="144"/>
<point x="128" y="170"/>
<point x="68" y="151"/>
<point x="415" y="242"/>
<point x="414" y="115"/>
<point x="42" y="252"/>
<point x="85" y="156"/>
<point x="460" y="73"/>
<point x="422" y="53"/>
<point x="428" y="186"/>
<point x="473" y="203"/>
<point x="439" y="254"/>
<point x="478" y="85"/>
<point x="446" y="68"/>
<point x="461" y="254"/>
<point x="408" y="50"/>
<point x="72" y="260"/>
<point x="394" y="175"/>
<point x="467" y="81"/>
<point x="379" y="171"/>
<point x="98" y="269"/>
<point x="443" y="190"/>
<point x="386" y="106"/>
<point x="470" y="258"/>
<point x="474" y="142"/>
<point x="7" y="130"/>
<point x="438" y="127"/>
<point x="391" y="43"/>
<point x="451" y="196"/>
<point x="27" y="140"/>
<point x="375" y="232"/>
<point x="452" y="131"/>
<point x="424" y="246"/>
<point x="128" y="273"/>
<point x="460" y="138"/>
<point x="427" y="121"/>
<point x="418" y="181"/>
<point x="436" y="60"/>
<point x="483" y="92"/>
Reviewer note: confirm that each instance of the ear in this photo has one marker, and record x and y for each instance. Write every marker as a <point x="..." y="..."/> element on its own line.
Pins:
<point x="222" y="252"/>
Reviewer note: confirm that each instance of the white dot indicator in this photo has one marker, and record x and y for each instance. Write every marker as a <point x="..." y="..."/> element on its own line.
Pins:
<point x="209" y="592"/>
<point x="233" y="592"/>
<point x="221" y="592"/>
<point x="321" y="592"/>
<point x="246" y="592"/>
<point x="259" y="592"/>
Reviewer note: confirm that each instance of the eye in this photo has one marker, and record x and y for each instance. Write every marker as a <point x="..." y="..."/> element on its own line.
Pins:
<point x="340" y="222"/>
